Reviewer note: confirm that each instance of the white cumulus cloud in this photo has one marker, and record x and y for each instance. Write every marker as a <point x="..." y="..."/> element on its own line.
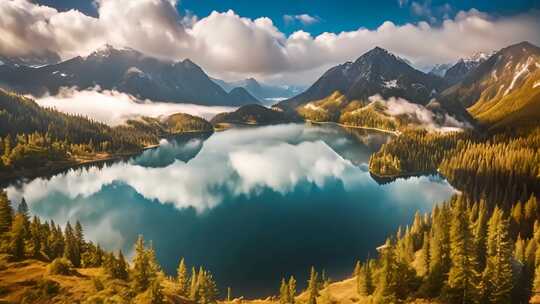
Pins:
<point x="228" y="45"/>
<point x="114" y="108"/>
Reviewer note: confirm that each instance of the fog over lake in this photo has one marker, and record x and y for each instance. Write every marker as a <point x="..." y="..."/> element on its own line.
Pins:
<point x="250" y="204"/>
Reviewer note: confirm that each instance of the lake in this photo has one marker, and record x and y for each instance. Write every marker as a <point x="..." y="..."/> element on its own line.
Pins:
<point x="250" y="204"/>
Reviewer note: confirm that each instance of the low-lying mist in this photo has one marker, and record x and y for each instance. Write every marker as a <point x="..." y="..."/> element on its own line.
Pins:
<point x="114" y="108"/>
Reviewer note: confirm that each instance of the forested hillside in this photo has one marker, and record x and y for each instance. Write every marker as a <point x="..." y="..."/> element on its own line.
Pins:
<point x="42" y="263"/>
<point x="32" y="137"/>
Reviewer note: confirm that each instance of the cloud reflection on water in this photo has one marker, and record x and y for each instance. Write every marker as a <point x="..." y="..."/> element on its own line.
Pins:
<point x="235" y="162"/>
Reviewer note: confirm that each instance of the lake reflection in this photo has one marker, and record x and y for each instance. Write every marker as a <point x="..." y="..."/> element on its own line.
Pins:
<point x="252" y="205"/>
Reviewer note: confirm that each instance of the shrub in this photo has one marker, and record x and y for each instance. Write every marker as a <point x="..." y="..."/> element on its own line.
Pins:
<point x="98" y="285"/>
<point x="60" y="266"/>
<point x="45" y="289"/>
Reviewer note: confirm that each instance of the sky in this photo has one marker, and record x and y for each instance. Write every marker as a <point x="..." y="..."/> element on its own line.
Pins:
<point x="279" y="41"/>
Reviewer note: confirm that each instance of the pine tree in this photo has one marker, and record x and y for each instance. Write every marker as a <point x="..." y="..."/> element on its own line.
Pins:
<point x="71" y="248"/>
<point x="364" y="280"/>
<point x="6" y="213"/>
<point x="141" y="266"/>
<point x="480" y="235"/>
<point x="356" y="270"/>
<point x="387" y="286"/>
<point x="156" y="293"/>
<point x="425" y="257"/>
<point x="463" y="278"/>
<point x="183" y="279"/>
<point x="211" y="289"/>
<point x="122" y="267"/>
<point x="439" y="251"/>
<point x="17" y="237"/>
<point x="536" y="282"/>
<point x="193" y="289"/>
<point x="292" y="290"/>
<point x="154" y="265"/>
<point x="497" y="277"/>
<point x="36" y="238"/>
<point x="313" y="287"/>
<point x="79" y="236"/>
<point x="23" y="208"/>
<point x="284" y="292"/>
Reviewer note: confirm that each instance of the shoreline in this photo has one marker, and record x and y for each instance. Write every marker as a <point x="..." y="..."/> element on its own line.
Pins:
<point x="55" y="167"/>
<point x="395" y="133"/>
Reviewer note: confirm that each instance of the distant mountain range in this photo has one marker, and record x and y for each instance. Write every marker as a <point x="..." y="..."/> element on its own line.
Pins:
<point x="263" y="92"/>
<point x="497" y="89"/>
<point x="503" y="90"/>
<point x="128" y="71"/>
<point x="376" y="72"/>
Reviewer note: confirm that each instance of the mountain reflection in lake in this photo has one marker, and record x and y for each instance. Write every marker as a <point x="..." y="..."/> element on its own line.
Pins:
<point x="252" y="205"/>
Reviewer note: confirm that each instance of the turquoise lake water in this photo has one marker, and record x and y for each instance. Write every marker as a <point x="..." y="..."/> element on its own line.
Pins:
<point x="251" y="204"/>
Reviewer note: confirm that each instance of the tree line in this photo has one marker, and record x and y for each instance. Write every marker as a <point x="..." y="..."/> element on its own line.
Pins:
<point x="462" y="252"/>
<point x="24" y="237"/>
<point x="502" y="168"/>
<point x="31" y="136"/>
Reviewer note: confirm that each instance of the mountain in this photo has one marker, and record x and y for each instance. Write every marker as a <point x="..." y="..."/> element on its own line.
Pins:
<point x="254" y="115"/>
<point x="503" y="90"/>
<point x="376" y="72"/>
<point x="440" y="69"/>
<point x="260" y="90"/>
<point x="240" y="96"/>
<point x="460" y="69"/>
<point x="125" y="70"/>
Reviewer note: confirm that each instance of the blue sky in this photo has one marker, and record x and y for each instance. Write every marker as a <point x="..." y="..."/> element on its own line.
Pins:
<point x="294" y="43"/>
<point x="346" y="15"/>
<point x="333" y="15"/>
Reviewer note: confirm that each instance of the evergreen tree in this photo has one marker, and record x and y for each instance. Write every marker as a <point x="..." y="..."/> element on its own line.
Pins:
<point x="183" y="279"/>
<point x="313" y="287"/>
<point x="207" y="290"/>
<point x="439" y="251"/>
<point x="156" y="293"/>
<point x="387" y="285"/>
<point x="23" y="209"/>
<point x="536" y="282"/>
<point x="152" y="260"/>
<point x="6" y="213"/>
<point x="463" y="278"/>
<point x="17" y="237"/>
<point x="193" y="289"/>
<point x="71" y="247"/>
<point x="141" y="266"/>
<point x="284" y="295"/>
<point x="357" y="267"/>
<point x="480" y="234"/>
<point x="497" y="277"/>
<point x="36" y="238"/>
<point x="425" y="257"/>
<point x="79" y="236"/>
<point x="122" y="267"/>
<point x="292" y="290"/>
<point x="364" y="280"/>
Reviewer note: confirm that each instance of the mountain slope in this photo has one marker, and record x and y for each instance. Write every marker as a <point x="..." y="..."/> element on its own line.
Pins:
<point x="505" y="89"/>
<point x="259" y="90"/>
<point x="125" y="70"/>
<point x="254" y="115"/>
<point x="464" y="66"/>
<point x="375" y="72"/>
<point x="440" y="69"/>
<point x="241" y="96"/>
